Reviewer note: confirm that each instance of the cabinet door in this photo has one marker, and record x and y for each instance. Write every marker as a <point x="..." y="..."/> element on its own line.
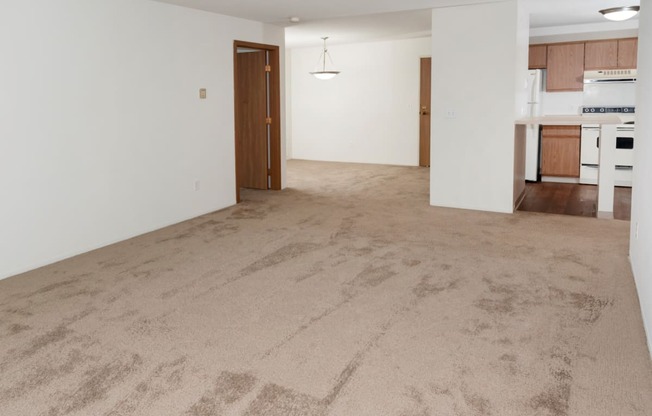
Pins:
<point x="627" y="53"/>
<point x="565" y="67"/>
<point x="601" y="54"/>
<point x="538" y="55"/>
<point x="560" y="151"/>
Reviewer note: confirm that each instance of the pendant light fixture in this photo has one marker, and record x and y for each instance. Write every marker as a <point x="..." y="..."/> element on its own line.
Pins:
<point x="618" y="14"/>
<point x="323" y="73"/>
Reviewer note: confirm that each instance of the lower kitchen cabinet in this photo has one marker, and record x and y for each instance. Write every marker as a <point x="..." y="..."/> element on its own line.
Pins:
<point x="560" y="151"/>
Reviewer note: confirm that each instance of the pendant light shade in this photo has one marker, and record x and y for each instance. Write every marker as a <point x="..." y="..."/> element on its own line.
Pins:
<point x="618" y="14"/>
<point x="323" y="73"/>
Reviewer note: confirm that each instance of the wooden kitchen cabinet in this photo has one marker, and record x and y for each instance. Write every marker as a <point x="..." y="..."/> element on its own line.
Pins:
<point x="538" y="56"/>
<point x="627" y="53"/>
<point x="611" y="54"/>
<point x="601" y="54"/>
<point x="565" y="67"/>
<point x="560" y="151"/>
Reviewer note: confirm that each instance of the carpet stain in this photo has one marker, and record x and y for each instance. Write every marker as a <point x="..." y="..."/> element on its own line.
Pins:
<point x="411" y="262"/>
<point x="283" y="254"/>
<point x="163" y="380"/>
<point x="315" y="269"/>
<point x="96" y="385"/>
<point x="43" y="341"/>
<point x="345" y="231"/>
<point x="554" y="400"/>
<point x="206" y="406"/>
<point x="44" y="375"/>
<point x="53" y="286"/>
<point x="476" y="327"/>
<point x="231" y="387"/>
<point x="18" y="328"/>
<point x="427" y="288"/>
<point x="251" y="210"/>
<point x="479" y="405"/>
<point x="228" y="389"/>
<point x="18" y="311"/>
<point x="509" y="358"/>
<point x="372" y="276"/>
<point x="590" y="307"/>
<point x="275" y="400"/>
<point x="80" y="292"/>
<point x="502" y="306"/>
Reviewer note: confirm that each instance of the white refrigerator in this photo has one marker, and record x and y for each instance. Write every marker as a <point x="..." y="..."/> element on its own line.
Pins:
<point x="534" y="91"/>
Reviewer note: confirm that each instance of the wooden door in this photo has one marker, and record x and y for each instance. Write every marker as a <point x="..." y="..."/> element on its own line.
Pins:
<point x="565" y="67"/>
<point x="424" y="113"/>
<point x="252" y="162"/>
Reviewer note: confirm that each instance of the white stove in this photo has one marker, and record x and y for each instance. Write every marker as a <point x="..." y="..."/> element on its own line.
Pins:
<point x="590" y="146"/>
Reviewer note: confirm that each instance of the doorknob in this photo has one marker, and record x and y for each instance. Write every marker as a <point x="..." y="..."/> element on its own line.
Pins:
<point x="424" y="111"/>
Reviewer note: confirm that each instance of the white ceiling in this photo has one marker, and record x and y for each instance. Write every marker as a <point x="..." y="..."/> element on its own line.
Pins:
<point x="348" y="21"/>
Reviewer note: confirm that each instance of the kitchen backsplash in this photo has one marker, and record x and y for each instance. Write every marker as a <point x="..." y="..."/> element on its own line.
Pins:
<point x="561" y="103"/>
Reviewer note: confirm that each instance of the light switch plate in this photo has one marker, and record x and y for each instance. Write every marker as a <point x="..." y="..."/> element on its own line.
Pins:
<point x="202" y="93"/>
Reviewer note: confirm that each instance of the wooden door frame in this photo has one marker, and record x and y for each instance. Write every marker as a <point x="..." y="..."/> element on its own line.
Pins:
<point x="275" y="111"/>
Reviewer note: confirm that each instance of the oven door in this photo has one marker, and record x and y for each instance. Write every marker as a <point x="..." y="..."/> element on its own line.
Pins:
<point x="590" y="146"/>
<point x="625" y="146"/>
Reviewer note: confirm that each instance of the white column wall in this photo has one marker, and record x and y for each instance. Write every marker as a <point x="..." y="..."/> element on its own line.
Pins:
<point x="478" y="73"/>
<point x="102" y="132"/>
<point x="369" y="113"/>
<point x="641" y="221"/>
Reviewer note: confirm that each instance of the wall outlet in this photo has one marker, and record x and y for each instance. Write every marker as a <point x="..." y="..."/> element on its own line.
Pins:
<point x="196" y="185"/>
<point x="202" y="93"/>
<point x="450" y="113"/>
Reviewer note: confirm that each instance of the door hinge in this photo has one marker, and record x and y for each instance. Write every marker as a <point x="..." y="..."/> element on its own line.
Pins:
<point x="268" y="120"/>
<point x="268" y="68"/>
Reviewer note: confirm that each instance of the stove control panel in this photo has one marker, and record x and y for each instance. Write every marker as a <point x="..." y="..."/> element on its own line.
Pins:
<point x="604" y="110"/>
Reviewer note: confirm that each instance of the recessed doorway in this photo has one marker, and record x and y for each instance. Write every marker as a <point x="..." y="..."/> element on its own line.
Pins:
<point x="257" y="116"/>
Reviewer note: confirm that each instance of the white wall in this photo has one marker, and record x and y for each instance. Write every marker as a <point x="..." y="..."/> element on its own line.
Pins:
<point x="102" y="133"/>
<point x="369" y="113"/>
<point x="479" y="75"/>
<point x="561" y="103"/>
<point x="641" y="232"/>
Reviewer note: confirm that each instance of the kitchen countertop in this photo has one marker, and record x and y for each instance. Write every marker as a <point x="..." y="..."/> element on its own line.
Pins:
<point x="572" y="120"/>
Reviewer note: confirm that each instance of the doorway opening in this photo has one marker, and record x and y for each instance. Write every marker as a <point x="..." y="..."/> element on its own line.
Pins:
<point x="257" y="96"/>
<point x="573" y="199"/>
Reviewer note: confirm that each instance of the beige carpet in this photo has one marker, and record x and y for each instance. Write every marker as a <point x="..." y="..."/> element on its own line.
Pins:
<point x="344" y="295"/>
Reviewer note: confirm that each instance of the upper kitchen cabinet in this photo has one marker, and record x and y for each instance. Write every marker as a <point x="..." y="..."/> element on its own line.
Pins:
<point x="627" y="53"/>
<point x="601" y="54"/>
<point x="538" y="56"/>
<point x="565" y="67"/>
<point x="610" y="54"/>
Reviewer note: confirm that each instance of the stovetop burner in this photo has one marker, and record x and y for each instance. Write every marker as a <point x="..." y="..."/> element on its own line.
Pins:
<point x="603" y="110"/>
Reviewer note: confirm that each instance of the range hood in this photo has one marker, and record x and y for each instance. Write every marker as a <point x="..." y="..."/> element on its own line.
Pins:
<point x="609" y="76"/>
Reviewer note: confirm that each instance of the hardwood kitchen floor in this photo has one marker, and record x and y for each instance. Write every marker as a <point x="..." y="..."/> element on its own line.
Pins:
<point x="572" y="199"/>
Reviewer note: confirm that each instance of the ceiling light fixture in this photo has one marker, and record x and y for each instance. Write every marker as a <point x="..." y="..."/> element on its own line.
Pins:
<point x="294" y="19"/>
<point x="619" y="14"/>
<point x="324" y="74"/>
